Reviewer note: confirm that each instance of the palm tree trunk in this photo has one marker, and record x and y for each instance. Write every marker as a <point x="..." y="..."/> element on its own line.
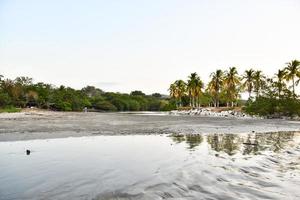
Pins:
<point x="193" y="101"/>
<point x="294" y="95"/>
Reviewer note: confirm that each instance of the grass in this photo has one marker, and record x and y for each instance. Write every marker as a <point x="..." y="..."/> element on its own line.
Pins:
<point x="10" y="109"/>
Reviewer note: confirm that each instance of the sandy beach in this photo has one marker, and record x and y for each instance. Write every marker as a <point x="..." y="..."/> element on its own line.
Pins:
<point x="39" y="124"/>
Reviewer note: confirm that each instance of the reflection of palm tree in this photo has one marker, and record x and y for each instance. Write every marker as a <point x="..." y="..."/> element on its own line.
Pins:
<point x="278" y="140"/>
<point x="177" y="138"/>
<point x="193" y="140"/>
<point x="213" y="140"/>
<point x="250" y="147"/>
<point x="274" y="141"/>
<point x="230" y="145"/>
<point x="227" y="143"/>
<point x="292" y="71"/>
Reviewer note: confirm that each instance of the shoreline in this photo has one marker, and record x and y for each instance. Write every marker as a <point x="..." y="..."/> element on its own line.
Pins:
<point x="222" y="112"/>
<point x="37" y="124"/>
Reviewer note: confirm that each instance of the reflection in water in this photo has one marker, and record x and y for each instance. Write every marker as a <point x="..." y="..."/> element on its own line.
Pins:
<point x="152" y="167"/>
<point x="231" y="144"/>
<point x="193" y="140"/>
<point x="228" y="143"/>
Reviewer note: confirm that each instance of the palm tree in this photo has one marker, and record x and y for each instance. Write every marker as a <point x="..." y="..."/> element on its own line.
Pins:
<point x="249" y="81"/>
<point x="194" y="88"/>
<point x="216" y="85"/>
<point x="280" y="81"/>
<point x="174" y="92"/>
<point x="293" y="71"/>
<point x="181" y="89"/>
<point x="191" y="86"/>
<point x="198" y="91"/>
<point x="1" y="77"/>
<point x="231" y="83"/>
<point x="259" y="82"/>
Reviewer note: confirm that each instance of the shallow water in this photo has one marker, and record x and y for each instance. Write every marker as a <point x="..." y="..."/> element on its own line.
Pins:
<point x="215" y="166"/>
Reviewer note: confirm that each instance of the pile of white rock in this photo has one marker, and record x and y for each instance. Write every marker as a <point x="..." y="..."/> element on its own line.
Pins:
<point x="209" y="112"/>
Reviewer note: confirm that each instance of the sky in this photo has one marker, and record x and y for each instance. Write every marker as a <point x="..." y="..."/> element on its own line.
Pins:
<point x="125" y="45"/>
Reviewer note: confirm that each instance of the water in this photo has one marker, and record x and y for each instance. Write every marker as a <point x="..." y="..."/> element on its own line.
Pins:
<point x="213" y="166"/>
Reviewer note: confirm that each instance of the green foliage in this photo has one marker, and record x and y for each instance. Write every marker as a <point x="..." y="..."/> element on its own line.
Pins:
<point x="137" y="93"/>
<point x="68" y="99"/>
<point x="4" y="99"/>
<point x="104" y="106"/>
<point x="9" y="109"/>
<point x="156" y="95"/>
<point x="267" y="106"/>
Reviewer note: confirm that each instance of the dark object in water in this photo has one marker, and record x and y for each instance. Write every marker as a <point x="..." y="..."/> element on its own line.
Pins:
<point x="248" y="143"/>
<point x="27" y="152"/>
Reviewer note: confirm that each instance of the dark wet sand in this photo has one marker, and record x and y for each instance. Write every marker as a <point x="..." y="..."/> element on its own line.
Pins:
<point x="43" y="125"/>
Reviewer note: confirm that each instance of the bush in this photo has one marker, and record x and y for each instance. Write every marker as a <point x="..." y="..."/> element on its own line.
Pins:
<point x="104" y="106"/>
<point x="9" y="109"/>
<point x="265" y="106"/>
<point x="4" y="100"/>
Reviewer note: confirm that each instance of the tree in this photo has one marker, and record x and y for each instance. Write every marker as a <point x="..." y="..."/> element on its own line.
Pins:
<point x="292" y="71"/>
<point x="280" y="75"/>
<point x="248" y="81"/>
<point x="91" y="91"/>
<point x="259" y="82"/>
<point x="137" y="93"/>
<point x="198" y="91"/>
<point x="215" y="86"/>
<point x="174" y="92"/>
<point x="156" y="95"/>
<point x="191" y="87"/>
<point x="232" y="82"/>
<point x="181" y="89"/>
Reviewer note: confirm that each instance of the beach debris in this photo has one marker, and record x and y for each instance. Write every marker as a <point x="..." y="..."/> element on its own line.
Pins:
<point x="211" y="113"/>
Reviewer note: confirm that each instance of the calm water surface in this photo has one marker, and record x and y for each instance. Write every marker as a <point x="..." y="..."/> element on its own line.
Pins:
<point x="217" y="166"/>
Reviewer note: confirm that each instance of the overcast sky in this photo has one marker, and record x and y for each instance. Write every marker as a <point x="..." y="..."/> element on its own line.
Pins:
<point x="123" y="45"/>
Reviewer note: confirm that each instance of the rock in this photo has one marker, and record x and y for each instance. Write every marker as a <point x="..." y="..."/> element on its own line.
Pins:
<point x="209" y="112"/>
<point x="28" y="152"/>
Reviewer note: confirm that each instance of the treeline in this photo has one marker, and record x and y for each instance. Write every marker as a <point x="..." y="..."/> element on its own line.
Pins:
<point x="272" y="96"/>
<point x="22" y="92"/>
